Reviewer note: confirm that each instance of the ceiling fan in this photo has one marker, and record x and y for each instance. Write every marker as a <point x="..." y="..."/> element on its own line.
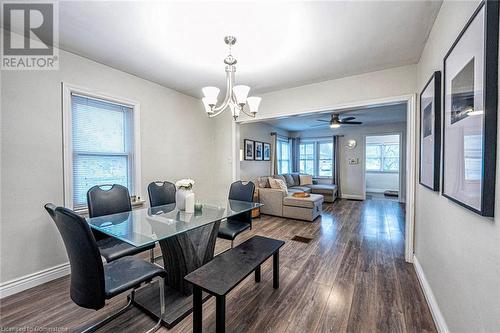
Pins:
<point x="336" y="122"/>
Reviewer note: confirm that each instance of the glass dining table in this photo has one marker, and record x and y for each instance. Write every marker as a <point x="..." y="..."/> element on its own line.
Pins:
<point x="187" y="242"/>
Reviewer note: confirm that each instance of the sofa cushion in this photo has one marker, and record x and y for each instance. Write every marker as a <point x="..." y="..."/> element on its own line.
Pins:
<point x="289" y="179"/>
<point x="308" y="202"/>
<point x="296" y="179"/>
<point x="323" y="188"/>
<point x="278" y="184"/>
<point x="306" y="180"/>
<point x="300" y="189"/>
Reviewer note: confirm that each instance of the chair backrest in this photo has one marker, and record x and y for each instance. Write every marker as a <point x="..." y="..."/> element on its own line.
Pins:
<point x="242" y="192"/>
<point x="104" y="202"/>
<point x="161" y="193"/>
<point x="87" y="272"/>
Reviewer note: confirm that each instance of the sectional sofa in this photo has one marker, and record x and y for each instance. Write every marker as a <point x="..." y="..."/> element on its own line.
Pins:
<point x="278" y="202"/>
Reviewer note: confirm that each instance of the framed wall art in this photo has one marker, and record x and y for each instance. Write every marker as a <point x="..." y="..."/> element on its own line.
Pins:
<point x="470" y="93"/>
<point x="430" y="132"/>
<point x="249" y="149"/>
<point x="267" y="151"/>
<point x="258" y="151"/>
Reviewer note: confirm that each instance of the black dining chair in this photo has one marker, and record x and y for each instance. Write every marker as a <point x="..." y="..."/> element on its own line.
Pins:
<point x="92" y="282"/>
<point x="114" y="200"/>
<point x="237" y="224"/>
<point x="161" y="193"/>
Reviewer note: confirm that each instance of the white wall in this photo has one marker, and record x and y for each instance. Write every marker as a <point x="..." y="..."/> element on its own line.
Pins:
<point x="177" y="141"/>
<point x="249" y="170"/>
<point x="352" y="177"/>
<point x="325" y="95"/>
<point x="458" y="250"/>
<point x="379" y="182"/>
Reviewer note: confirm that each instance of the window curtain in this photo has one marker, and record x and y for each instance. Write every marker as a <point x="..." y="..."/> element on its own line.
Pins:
<point x="336" y="163"/>
<point x="274" y="153"/>
<point x="295" y="154"/>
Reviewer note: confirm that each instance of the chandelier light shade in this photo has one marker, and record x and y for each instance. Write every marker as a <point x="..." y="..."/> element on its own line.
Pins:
<point x="236" y="99"/>
<point x="253" y="103"/>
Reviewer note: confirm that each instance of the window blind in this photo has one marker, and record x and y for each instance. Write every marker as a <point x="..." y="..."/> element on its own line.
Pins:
<point x="102" y="143"/>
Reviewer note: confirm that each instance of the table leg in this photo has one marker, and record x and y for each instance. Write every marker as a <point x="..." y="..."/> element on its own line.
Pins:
<point x="276" y="270"/>
<point x="257" y="274"/>
<point x="220" y="313"/>
<point x="186" y="252"/>
<point x="197" y="310"/>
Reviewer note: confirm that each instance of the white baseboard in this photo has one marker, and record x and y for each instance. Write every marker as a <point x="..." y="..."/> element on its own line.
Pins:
<point x="32" y="280"/>
<point x="352" y="196"/>
<point x="431" y="300"/>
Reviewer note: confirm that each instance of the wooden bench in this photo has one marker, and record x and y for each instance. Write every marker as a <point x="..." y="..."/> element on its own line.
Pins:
<point x="226" y="271"/>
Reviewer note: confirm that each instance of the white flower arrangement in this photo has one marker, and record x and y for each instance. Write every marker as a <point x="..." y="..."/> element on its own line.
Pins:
<point x="185" y="184"/>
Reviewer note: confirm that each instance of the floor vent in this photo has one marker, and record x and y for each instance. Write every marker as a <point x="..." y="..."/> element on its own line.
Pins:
<point x="302" y="239"/>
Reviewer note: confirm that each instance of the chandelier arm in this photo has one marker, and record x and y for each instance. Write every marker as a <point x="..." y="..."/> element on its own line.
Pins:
<point x="250" y="114"/>
<point x="229" y="92"/>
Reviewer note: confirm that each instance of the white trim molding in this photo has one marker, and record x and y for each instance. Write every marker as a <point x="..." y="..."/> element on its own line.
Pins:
<point x="32" y="280"/>
<point x="353" y="196"/>
<point x="67" y="90"/>
<point x="431" y="300"/>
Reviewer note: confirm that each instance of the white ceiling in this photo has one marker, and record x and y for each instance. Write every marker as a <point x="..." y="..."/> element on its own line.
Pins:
<point x="280" y="44"/>
<point x="375" y="115"/>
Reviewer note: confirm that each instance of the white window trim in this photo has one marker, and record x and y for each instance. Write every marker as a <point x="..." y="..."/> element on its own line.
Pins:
<point x="382" y="157"/>
<point x="279" y="160"/>
<point x="317" y="142"/>
<point x="67" y="90"/>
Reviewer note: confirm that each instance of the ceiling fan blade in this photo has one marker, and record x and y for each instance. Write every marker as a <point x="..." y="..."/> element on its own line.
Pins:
<point x="327" y="121"/>
<point x="348" y="118"/>
<point x="351" y="122"/>
<point x="320" y="125"/>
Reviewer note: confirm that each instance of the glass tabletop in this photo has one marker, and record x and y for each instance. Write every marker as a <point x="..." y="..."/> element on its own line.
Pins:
<point x="145" y="226"/>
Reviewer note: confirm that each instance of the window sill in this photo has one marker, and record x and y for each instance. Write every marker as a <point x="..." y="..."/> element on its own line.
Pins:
<point x="389" y="172"/>
<point x="135" y="204"/>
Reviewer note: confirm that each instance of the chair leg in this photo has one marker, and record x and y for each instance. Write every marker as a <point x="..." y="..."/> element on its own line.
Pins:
<point x="161" y="281"/>
<point x="103" y="322"/>
<point x="152" y="255"/>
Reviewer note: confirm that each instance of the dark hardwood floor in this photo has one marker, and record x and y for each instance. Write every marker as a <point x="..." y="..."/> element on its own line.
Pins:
<point x="352" y="277"/>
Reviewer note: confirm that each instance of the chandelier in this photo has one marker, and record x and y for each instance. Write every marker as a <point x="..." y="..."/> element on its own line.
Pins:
<point x="236" y="96"/>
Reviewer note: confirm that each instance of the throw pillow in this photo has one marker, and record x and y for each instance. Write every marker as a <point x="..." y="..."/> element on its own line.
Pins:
<point x="306" y="180"/>
<point x="296" y="180"/>
<point x="289" y="179"/>
<point x="273" y="183"/>
<point x="282" y="185"/>
<point x="263" y="182"/>
<point x="280" y="177"/>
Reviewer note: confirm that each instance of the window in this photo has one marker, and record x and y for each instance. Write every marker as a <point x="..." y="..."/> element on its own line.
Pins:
<point x="316" y="158"/>
<point x="99" y="146"/>
<point x="383" y="156"/>
<point x="283" y="153"/>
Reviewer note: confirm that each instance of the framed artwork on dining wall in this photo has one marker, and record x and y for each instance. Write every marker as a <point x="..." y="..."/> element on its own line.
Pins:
<point x="470" y="91"/>
<point x="267" y="151"/>
<point x="258" y="151"/>
<point x="430" y="132"/>
<point x="249" y="149"/>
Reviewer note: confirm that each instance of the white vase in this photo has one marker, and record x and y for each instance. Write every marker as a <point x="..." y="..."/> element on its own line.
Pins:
<point x="180" y="198"/>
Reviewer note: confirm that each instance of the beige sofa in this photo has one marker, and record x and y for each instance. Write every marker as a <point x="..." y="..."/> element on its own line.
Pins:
<point x="278" y="203"/>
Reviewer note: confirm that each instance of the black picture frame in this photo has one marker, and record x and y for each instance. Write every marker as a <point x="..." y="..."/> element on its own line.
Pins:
<point x="430" y="125"/>
<point x="248" y="149"/>
<point x="259" y="151"/>
<point x="485" y="182"/>
<point x="266" y="152"/>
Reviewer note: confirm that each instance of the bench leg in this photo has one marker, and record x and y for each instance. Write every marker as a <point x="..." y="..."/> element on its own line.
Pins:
<point x="257" y="274"/>
<point x="197" y="310"/>
<point x="276" y="270"/>
<point x="220" y="313"/>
